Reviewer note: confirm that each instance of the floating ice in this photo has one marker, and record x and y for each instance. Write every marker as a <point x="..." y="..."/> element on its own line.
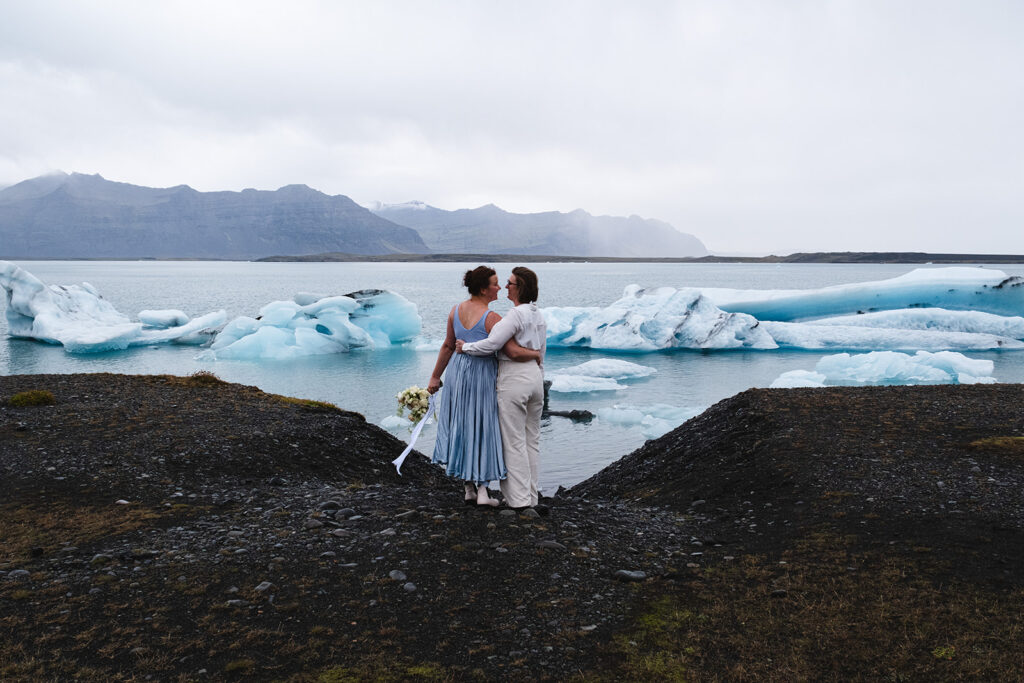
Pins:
<point x="957" y="288"/>
<point x="596" y="375"/>
<point x="973" y="322"/>
<point x="81" y="320"/>
<point x="608" y="367"/>
<point x="931" y="309"/>
<point x="427" y="344"/>
<point x="890" y="367"/>
<point x="164" y="319"/>
<point x="855" y="338"/>
<point x="653" y="420"/>
<point x="578" y="384"/>
<point x="650" y="319"/>
<point x="396" y="423"/>
<point x="309" y="326"/>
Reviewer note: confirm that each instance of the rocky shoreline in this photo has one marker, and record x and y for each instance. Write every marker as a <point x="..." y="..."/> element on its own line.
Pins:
<point x="167" y="528"/>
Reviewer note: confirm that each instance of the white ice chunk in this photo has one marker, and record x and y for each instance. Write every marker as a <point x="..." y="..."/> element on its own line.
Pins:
<point x="608" y="367"/>
<point x="168" y="318"/>
<point x="974" y="322"/>
<point x="931" y="309"/>
<point x="798" y="378"/>
<point x="958" y="288"/>
<point x="79" y="319"/>
<point x="891" y="367"/>
<point x="653" y="420"/>
<point x="857" y="338"/>
<point x="651" y="319"/>
<point x="396" y="423"/>
<point x="428" y="345"/>
<point x="569" y="384"/>
<point x="310" y="327"/>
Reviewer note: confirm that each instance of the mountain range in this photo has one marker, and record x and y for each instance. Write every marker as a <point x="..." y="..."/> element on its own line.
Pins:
<point x="491" y="230"/>
<point x="74" y="215"/>
<point x="87" y="216"/>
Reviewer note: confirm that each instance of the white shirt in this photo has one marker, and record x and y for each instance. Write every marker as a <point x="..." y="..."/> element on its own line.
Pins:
<point x="524" y="322"/>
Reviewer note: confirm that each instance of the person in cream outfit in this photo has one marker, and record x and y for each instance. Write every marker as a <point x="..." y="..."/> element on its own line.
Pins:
<point x="520" y="387"/>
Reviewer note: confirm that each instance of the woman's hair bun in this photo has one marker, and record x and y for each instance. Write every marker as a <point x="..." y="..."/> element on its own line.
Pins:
<point x="478" y="279"/>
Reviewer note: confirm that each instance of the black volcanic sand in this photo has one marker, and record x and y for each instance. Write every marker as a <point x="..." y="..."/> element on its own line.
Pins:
<point x="166" y="528"/>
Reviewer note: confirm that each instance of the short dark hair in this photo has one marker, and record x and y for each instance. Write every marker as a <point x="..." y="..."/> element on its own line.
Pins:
<point x="478" y="279"/>
<point x="526" y="280"/>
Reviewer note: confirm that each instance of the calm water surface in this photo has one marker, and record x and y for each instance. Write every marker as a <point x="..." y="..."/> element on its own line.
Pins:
<point x="367" y="381"/>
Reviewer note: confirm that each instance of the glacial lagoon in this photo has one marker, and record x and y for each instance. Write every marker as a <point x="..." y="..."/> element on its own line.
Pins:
<point x="636" y="389"/>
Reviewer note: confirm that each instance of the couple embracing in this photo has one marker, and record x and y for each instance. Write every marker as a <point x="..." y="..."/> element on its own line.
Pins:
<point x="489" y="423"/>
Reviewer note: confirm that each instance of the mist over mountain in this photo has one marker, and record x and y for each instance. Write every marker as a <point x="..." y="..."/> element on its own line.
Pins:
<point x="491" y="230"/>
<point x="86" y="216"/>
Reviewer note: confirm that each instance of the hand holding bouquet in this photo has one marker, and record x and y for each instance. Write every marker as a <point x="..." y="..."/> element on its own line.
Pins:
<point x="414" y="399"/>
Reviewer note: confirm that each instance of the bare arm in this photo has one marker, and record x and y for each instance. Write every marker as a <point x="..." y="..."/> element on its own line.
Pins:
<point x="498" y="333"/>
<point x="443" y="356"/>
<point x="519" y="353"/>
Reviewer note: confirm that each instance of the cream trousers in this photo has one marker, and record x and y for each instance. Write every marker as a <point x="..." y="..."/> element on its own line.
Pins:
<point x="520" y="401"/>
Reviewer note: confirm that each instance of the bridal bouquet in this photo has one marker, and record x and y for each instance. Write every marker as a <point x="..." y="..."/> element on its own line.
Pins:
<point x="415" y="400"/>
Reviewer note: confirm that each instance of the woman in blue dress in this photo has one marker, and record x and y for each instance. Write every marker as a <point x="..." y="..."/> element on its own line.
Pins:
<point x="468" y="433"/>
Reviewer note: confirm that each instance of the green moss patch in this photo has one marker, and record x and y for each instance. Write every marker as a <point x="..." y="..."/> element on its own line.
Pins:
<point x="34" y="397"/>
<point x="308" y="404"/>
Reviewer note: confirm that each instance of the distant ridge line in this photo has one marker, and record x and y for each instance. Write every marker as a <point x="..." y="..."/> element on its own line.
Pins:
<point x="908" y="257"/>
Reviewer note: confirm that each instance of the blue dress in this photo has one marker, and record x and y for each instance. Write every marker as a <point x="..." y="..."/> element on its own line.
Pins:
<point x="468" y="434"/>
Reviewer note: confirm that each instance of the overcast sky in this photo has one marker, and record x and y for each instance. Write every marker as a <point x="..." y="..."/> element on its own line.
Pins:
<point x="757" y="126"/>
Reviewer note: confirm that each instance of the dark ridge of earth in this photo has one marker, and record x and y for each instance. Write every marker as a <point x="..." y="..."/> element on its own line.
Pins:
<point x="168" y="528"/>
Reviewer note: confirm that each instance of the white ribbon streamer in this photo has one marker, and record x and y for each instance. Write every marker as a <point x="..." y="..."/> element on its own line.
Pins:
<point x="397" y="462"/>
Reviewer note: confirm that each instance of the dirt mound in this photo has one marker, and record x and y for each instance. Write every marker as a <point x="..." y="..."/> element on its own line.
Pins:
<point x="138" y="430"/>
<point x="944" y="464"/>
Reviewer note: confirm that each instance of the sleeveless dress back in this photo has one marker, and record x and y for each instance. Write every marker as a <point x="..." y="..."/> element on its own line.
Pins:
<point x="468" y="433"/>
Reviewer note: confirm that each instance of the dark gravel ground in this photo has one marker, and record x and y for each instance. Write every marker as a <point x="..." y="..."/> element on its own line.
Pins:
<point x="901" y="464"/>
<point x="225" y="488"/>
<point x="165" y="528"/>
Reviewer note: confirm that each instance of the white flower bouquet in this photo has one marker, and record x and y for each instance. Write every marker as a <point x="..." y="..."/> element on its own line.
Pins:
<point x="414" y="399"/>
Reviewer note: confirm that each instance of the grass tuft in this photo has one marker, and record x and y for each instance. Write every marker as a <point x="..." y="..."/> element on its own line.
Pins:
<point x="34" y="397"/>
<point x="240" y="666"/>
<point x="204" y="378"/>
<point x="309" y="404"/>
<point x="1006" y="444"/>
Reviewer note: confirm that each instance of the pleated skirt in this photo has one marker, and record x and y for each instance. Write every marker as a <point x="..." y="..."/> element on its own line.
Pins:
<point x="468" y="432"/>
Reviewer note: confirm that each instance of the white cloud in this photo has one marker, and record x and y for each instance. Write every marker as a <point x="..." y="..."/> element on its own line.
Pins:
<point x="756" y="126"/>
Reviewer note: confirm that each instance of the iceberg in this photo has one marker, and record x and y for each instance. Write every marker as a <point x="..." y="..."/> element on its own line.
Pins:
<point x="890" y="367"/>
<point x="956" y="288"/>
<point x="599" y="374"/>
<point x="82" y="321"/>
<point x="653" y="420"/>
<point x="396" y="423"/>
<point x="652" y="319"/>
<point x="311" y="326"/>
<point x="816" y="336"/>
<point x="163" y="319"/>
<point x="608" y="367"/>
<point x="973" y="322"/>
<point x="580" y="384"/>
<point x="927" y="309"/>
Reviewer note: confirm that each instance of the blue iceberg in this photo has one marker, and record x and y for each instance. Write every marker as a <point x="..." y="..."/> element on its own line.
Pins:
<point x="926" y="309"/>
<point x="890" y="367"/>
<point x="652" y="319"/>
<point x="310" y="326"/>
<point x="82" y="321"/>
